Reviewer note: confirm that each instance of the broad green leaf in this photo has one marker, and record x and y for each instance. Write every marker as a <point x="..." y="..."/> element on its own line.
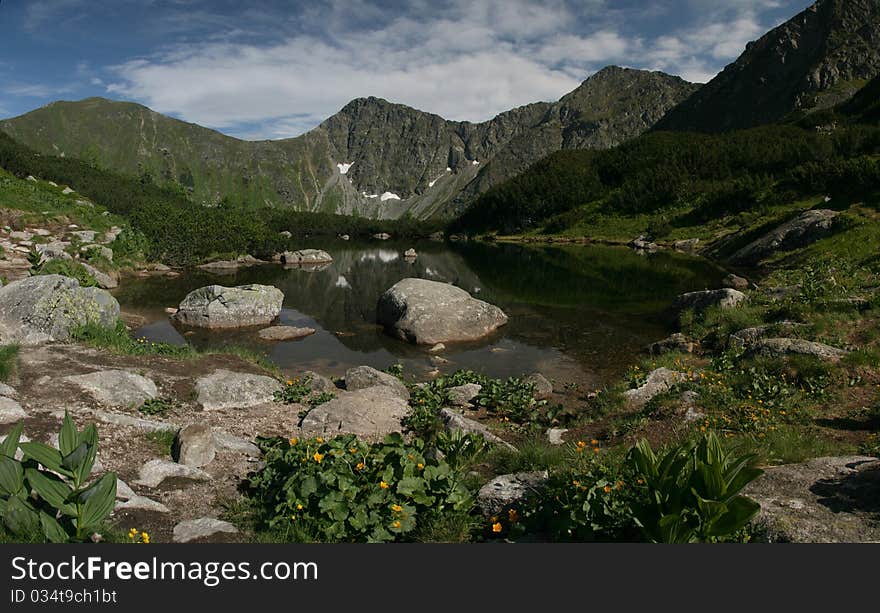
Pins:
<point x="20" y="518"/>
<point x="99" y="499"/>
<point x="45" y="455"/>
<point x="67" y="439"/>
<point x="10" y="443"/>
<point x="308" y="487"/>
<point x="11" y="476"/>
<point x="73" y="460"/>
<point x="740" y="511"/>
<point x="52" y="529"/>
<point x="51" y="489"/>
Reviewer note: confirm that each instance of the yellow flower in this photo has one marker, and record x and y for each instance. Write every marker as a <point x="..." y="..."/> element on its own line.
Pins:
<point x="496" y="527"/>
<point x="319" y="440"/>
<point x="289" y="382"/>
<point x="420" y="466"/>
<point x="360" y="466"/>
<point x="318" y="457"/>
<point x="352" y="450"/>
<point x="513" y="516"/>
<point x="145" y="538"/>
<point x="581" y="445"/>
<point x="293" y="441"/>
<point x="396" y="508"/>
<point x="299" y="507"/>
<point x="396" y="524"/>
<point x="607" y="489"/>
<point x="594" y="442"/>
<point x="383" y="485"/>
<point x="595" y="450"/>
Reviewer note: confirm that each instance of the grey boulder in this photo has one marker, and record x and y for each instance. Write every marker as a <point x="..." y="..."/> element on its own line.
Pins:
<point x="224" y="389"/>
<point x="194" y="446"/>
<point x="700" y="301"/>
<point x="116" y="388"/>
<point x="362" y="377"/>
<point x="428" y="312"/>
<point x="370" y="413"/>
<point x="49" y="307"/>
<point x="799" y="232"/>
<point x="216" y="306"/>
<point x="504" y="491"/>
<point x="204" y="527"/>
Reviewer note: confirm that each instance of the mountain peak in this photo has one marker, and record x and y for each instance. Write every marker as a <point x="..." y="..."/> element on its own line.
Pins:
<point x="819" y="58"/>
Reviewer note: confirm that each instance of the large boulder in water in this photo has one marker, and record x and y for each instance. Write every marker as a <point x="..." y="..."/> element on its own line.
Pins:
<point x="216" y="306"/>
<point x="49" y="307"/>
<point x="306" y="257"/>
<point x="429" y="312"/>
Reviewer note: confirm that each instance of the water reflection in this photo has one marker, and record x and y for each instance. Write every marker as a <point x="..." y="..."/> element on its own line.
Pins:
<point x="578" y="313"/>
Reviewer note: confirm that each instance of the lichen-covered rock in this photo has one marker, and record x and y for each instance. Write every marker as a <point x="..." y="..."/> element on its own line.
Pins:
<point x="194" y="446"/>
<point x="154" y="472"/>
<point x="453" y="421"/>
<point x="700" y="301"/>
<point x="824" y="500"/>
<point x="216" y="306"/>
<point x="204" y="527"/>
<point x="462" y="395"/>
<point x="429" y="312"/>
<point x="777" y="347"/>
<point x="504" y="491"/>
<point x="224" y="389"/>
<point x="371" y="413"/>
<point x="658" y="382"/>
<point x="49" y="307"/>
<point x="799" y="232"/>
<point x="116" y="388"/>
<point x="362" y="377"/>
<point x="305" y="257"/>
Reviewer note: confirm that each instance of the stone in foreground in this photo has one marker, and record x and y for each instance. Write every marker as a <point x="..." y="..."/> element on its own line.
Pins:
<point x="154" y="472"/>
<point x="285" y="333"/>
<point x="204" y="527"/>
<point x="10" y="411"/>
<point x="195" y="446"/>
<point x="49" y="307"/>
<point x="224" y="389"/>
<point x="658" y="382"/>
<point x="362" y="377"/>
<point x="116" y="388"/>
<point x="825" y="500"/>
<point x="216" y="306"/>
<point x="428" y="312"/>
<point x="507" y="490"/>
<point x="370" y="413"/>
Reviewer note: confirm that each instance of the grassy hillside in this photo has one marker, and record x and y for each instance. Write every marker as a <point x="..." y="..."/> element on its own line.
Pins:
<point x="173" y="229"/>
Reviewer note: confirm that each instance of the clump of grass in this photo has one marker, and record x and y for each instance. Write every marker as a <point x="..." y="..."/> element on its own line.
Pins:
<point x="8" y="361"/>
<point x="447" y="527"/>
<point x="792" y="445"/>
<point x="863" y="357"/>
<point x="532" y="454"/>
<point x="162" y="440"/>
<point x="67" y="268"/>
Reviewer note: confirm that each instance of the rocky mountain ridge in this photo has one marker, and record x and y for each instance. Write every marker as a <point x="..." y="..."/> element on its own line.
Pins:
<point x="373" y="158"/>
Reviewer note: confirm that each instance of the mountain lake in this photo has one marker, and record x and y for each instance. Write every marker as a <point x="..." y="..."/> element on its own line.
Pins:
<point x="578" y="313"/>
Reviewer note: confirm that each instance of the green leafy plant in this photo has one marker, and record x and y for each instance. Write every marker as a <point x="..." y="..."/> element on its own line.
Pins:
<point x="692" y="491"/>
<point x="461" y="450"/>
<point x="345" y="489"/>
<point x="294" y="390"/>
<point x="156" y="406"/>
<point x="48" y="493"/>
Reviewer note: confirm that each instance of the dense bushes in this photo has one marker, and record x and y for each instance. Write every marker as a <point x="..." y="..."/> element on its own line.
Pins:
<point x="177" y="231"/>
<point x="720" y="174"/>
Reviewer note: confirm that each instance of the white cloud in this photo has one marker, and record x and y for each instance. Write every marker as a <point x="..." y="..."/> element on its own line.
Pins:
<point x="464" y="60"/>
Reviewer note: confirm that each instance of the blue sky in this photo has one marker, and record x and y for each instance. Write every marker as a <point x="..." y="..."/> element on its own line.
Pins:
<point x="272" y="69"/>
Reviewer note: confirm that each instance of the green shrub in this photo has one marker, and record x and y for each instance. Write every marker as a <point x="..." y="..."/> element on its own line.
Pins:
<point x="692" y="491"/>
<point x="345" y="489"/>
<point x="48" y="493"/>
<point x="8" y="360"/>
<point x="67" y="268"/>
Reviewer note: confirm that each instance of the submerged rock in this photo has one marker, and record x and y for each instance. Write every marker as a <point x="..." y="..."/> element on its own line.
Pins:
<point x="285" y="333"/>
<point x="305" y="257"/>
<point x="216" y="306"/>
<point x="429" y="312"/>
<point x="49" y="307"/>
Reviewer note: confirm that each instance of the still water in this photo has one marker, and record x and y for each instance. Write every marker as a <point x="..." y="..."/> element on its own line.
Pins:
<point x="577" y="313"/>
